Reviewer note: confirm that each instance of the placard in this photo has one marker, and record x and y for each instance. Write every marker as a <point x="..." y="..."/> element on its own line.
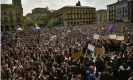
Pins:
<point x="99" y="50"/>
<point x="105" y="37"/>
<point x="120" y="38"/>
<point x="91" y="47"/>
<point x="96" y="36"/>
<point x="112" y="36"/>
<point x="77" y="55"/>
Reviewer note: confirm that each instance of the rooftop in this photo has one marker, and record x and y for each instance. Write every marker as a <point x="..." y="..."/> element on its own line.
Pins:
<point x="6" y="5"/>
<point x="102" y="10"/>
<point x="67" y="6"/>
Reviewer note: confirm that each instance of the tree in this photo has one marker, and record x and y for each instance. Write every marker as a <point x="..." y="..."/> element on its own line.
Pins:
<point x="126" y="20"/>
<point x="29" y="21"/>
<point x="52" y="22"/>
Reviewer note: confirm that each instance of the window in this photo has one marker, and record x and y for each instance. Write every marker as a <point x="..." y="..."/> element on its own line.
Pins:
<point x="4" y="13"/>
<point x="10" y="13"/>
<point x="7" y="28"/>
<point x="68" y="23"/>
<point x="18" y="19"/>
<point x="2" y="29"/>
<point x="18" y="14"/>
<point x="12" y="26"/>
<point x="5" y="19"/>
<point x="11" y="19"/>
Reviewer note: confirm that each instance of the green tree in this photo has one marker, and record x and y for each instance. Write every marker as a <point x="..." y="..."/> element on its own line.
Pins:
<point x="126" y="20"/>
<point x="29" y="21"/>
<point x="52" y="22"/>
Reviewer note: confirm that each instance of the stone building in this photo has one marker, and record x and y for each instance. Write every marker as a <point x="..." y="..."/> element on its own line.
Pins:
<point x="121" y="11"/>
<point x="101" y="16"/>
<point x="75" y="15"/>
<point x="130" y="10"/>
<point x="11" y="15"/>
<point x="111" y="12"/>
<point x="38" y="14"/>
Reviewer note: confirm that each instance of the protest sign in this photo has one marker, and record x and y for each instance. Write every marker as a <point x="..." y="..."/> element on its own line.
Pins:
<point x="91" y="47"/>
<point x="112" y="36"/>
<point x="77" y="55"/>
<point x="99" y="50"/>
<point x="105" y="37"/>
<point x="96" y="36"/>
<point x="120" y="38"/>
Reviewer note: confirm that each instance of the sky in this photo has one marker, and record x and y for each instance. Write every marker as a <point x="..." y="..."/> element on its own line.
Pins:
<point x="28" y="5"/>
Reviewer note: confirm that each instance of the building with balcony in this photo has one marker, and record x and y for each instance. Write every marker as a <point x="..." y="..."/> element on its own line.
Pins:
<point x="38" y="14"/>
<point x="111" y="12"/>
<point x="101" y="16"/>
<point x="121" y="11"/>
<point x="75" y="15"/>
<point x="11" y="15"/>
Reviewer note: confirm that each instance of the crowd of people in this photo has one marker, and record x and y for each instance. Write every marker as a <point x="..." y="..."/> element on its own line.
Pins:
<point x="46" y="54"/>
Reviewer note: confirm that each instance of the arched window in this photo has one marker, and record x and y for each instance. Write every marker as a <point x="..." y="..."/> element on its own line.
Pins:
<point x="78" y="23"/>
<point x="7" y="28"/>
<point x="12" y="26"/>
<point x="10" y="13"/>
<point x="2" y="29"/>
<point x="11" y="19"/>
<point x="18" y="19"/>
<point x="17" y="14"/>
<point x="4" y="13"/>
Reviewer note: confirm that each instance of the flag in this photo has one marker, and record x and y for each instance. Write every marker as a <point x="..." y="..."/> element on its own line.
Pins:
<point x="37" y="27"/>
<point x="111" y="28"/>
<point x="32" y="29"/>
<point x="2" y="37"/>
<point x="19" y="28"/>
<point x="103" y="33"/>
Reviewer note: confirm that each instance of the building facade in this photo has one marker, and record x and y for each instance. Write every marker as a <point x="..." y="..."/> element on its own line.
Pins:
<point x="121" y="11"/>
<point x="11" y="15"/>
<point x="75" y="15"/>
<point x="130" y="10"/>
<point x="38" y="14"/>
<point x="101" y="16"/>
<point x="111" y="12"/>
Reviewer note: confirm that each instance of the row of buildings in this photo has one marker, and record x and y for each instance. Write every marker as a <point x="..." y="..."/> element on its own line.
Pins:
<point x="121" y="11"/>
<point x="12" y="14"/>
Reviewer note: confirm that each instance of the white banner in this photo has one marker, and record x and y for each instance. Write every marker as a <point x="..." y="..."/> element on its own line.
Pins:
<point x="112" y="36"/>
<point x="120" y="38"/>
<point x="91" y="47"/>
<point x="96" y="36"/>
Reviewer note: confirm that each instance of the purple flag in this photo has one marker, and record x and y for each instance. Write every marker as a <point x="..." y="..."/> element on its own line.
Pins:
<point x="2" y="37"/>
<point x="103" y="33"/>
<point x="32" y="29"/>
<point x="111" y="28"/>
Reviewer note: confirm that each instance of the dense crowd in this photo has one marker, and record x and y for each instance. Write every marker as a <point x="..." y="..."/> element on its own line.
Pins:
<point x="46" y="54"/>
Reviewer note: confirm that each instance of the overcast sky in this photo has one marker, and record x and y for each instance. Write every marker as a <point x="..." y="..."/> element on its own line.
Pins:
<point x="28" y="5"/>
